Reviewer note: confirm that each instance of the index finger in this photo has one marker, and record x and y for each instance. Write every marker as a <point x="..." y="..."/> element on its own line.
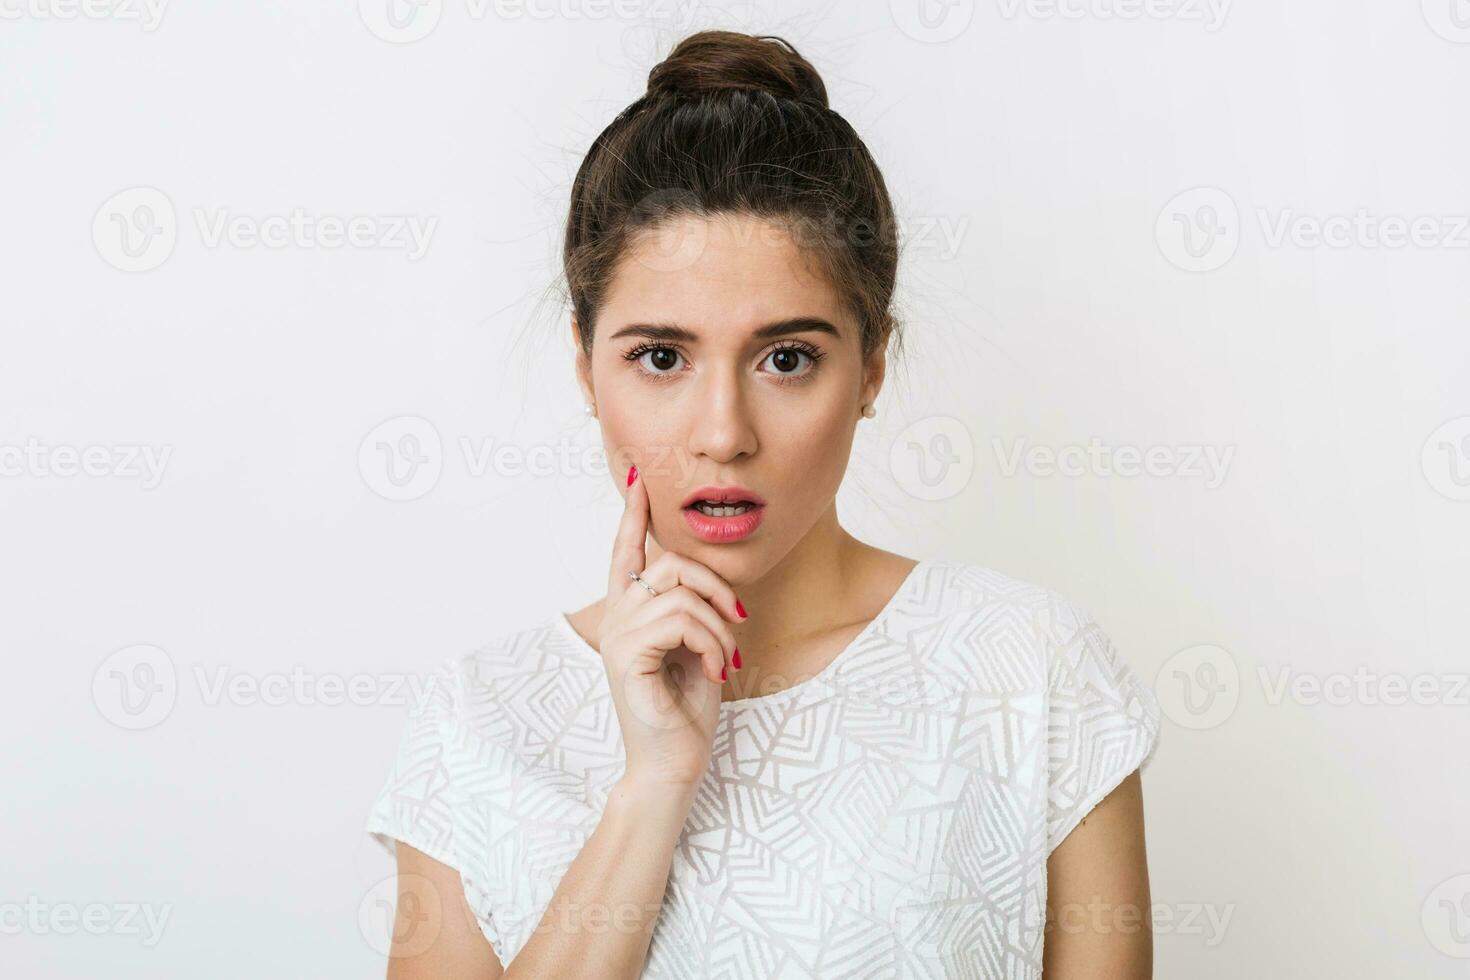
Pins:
<point x="629" y="552"/>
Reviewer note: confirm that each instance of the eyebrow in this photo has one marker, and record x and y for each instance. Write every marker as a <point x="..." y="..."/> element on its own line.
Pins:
<point x="674" y="332"/>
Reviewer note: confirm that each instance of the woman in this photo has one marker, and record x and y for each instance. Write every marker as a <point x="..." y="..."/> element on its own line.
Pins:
<point x="770" y="750"/>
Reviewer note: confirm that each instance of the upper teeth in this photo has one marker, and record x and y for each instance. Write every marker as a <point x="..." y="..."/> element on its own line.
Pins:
<point x="721" y="510"/>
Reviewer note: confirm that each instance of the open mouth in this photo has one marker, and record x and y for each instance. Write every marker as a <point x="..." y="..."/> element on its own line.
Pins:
<point x="711" y="508"/>
<point x="722" y="514"/>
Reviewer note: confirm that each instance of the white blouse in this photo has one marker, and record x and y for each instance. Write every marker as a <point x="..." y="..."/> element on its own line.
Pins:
<point x="890" y="816"/>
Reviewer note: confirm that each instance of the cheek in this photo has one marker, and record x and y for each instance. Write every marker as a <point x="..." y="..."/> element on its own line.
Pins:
<point x="813" y="449"/>
<point x="633" y="431"/>
<point x="628" y="409"/>
<point x="643" y="430"/>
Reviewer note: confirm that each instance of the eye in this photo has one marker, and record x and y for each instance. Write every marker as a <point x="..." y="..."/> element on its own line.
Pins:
<point x="793" y="361"/>
<point x="655" y="359"/>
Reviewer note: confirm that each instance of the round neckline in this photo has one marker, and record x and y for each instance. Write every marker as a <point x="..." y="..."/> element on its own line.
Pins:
<point x="775" y="697"/>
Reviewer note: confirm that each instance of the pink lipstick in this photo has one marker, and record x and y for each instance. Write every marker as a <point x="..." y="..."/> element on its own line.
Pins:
<point x="721" y="514"/>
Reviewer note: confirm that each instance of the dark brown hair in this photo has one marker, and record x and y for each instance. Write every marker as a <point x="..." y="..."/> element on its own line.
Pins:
<point x="735" y="124"/>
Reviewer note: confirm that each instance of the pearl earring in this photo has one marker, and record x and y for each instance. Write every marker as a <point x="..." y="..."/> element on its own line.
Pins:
<point x="590" y="410"/>
<point x="869" y="411"/>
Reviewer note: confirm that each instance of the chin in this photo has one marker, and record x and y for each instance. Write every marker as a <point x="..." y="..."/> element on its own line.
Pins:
<point x="737" y="563"/>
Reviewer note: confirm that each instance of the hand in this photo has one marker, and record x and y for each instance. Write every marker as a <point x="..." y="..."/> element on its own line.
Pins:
<point x="664" y="654"/>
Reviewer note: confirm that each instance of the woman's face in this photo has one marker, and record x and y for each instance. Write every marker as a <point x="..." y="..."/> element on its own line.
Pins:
<point x="689" y="388"/>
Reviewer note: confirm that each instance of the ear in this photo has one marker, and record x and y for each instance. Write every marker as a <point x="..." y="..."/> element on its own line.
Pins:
<point x="873" y="374"/>
<point x="583" y="367"/>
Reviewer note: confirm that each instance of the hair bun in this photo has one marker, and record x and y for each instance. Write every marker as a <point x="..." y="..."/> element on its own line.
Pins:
<point x="710" y="61"/>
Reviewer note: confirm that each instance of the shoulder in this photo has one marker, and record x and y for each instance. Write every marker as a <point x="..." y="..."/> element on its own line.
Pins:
<point x="1031" y="611"/>
<point x="503" y="682"/>
<point x="1022" y="633"/>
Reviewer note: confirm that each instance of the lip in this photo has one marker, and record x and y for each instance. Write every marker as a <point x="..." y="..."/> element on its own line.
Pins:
<point x="731" y="494"/>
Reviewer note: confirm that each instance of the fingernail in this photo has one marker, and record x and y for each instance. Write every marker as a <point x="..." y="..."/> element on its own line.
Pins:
<point x="741" y="610"/>
<point x="632" y="474"/>
<point x="722" y="673"/>
<point x="736" y="658"/>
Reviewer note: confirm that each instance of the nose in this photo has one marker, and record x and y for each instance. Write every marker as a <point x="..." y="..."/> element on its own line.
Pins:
<point x="721" y="427"/>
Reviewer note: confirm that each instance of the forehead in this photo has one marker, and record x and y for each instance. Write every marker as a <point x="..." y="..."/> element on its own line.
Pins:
<point x="725" y="273"/>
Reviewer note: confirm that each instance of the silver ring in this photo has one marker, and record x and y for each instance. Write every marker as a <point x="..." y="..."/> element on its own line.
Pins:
<point x="651" y="589"/>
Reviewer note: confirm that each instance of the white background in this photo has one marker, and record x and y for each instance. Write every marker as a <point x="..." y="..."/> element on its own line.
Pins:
<point x="1053" y="144"/>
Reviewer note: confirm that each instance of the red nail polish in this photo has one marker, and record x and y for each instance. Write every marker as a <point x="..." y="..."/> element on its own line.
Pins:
<point x="632" y="475"/>
<point x="722" y="673"/>
<point x="736" y="658"/>
<point x="740" y="609"/>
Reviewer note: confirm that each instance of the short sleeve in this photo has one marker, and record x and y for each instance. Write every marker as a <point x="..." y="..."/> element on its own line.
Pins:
<point x="1102" y="721"/>
<point x="414" y="804"/>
